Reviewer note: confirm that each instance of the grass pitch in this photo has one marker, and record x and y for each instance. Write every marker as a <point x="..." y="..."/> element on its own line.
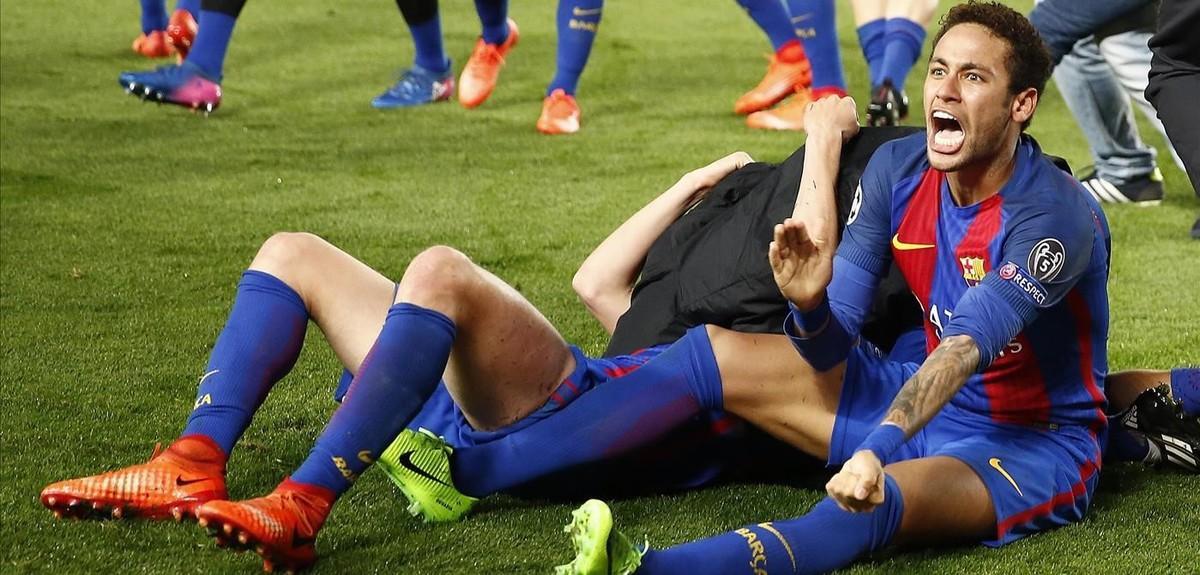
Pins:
<point x="124" y="226"/>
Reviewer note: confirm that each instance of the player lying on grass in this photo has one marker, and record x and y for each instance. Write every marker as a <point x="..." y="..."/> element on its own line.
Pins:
<point x="998" y="433"/>
<point x="254" y="351"/>
<point x="290" y="280"/>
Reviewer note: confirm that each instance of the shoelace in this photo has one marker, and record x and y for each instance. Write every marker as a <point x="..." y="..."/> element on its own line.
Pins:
<point x="485" y="52"/>
<point x="409" y="84"/>
<point x="560" y="105"/>
<point x="299" y="503"/>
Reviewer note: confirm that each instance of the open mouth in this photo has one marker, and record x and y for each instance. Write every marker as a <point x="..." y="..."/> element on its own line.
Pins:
<point x="948" y="134"/>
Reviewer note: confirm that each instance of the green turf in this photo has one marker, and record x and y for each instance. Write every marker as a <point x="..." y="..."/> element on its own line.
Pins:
<point x="123" y="227"/>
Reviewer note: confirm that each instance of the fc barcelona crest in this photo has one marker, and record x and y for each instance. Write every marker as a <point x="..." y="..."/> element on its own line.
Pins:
<point x="972" y="269"/>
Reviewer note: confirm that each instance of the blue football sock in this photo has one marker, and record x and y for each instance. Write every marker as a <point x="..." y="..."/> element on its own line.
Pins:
<point x="815" y="22"/>
<point x="903" y="39"/>
<point x="825" y="539"/>
<point x="870" y="38"/>
<point x="1185" y="387"/>
<point x="430" y="53"/>
<point x="493" y="16"/>
<point x="258" y="346"/>
<point x="154" y="16"/>
<point x="398" y="375"/>
<point x="212" y="41"/>
<point x="425" y="25"/>
<point x="773" y="19"/>
<point x="578" y="21"/>
<point x="1125" y="445"/>
<point x="192" y="6"/>
<point x="611" y="419"/>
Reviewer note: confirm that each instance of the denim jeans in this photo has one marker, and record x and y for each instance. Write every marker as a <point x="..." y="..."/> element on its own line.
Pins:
<point x="1063" y="23"/>
<point x="1097" y="81"/>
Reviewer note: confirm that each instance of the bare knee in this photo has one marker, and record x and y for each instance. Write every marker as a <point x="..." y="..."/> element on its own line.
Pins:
<point x="439" y="278"/>
<point x="289" y="256"/>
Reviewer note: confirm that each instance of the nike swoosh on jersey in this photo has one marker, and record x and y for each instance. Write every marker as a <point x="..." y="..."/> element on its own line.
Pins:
<point x="406" y="461"/>
<point x="995" y="463"/>
<point x="904" y="246"/>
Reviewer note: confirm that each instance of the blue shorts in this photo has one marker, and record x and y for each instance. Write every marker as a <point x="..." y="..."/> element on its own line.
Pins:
<point x="443" y="417"/>
<point x="1038" y="478"/>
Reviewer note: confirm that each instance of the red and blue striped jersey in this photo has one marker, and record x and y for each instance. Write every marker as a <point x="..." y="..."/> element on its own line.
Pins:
<point x="1023" y="273"/>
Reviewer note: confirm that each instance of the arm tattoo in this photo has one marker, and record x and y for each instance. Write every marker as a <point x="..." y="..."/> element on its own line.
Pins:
<point x="938" y="379"/>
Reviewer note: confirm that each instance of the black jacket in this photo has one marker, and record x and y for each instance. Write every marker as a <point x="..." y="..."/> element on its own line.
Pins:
<point x="710" y="266"/>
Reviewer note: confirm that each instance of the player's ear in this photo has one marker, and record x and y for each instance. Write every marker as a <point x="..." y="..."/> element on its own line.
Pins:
<point x="1024" y="104"/>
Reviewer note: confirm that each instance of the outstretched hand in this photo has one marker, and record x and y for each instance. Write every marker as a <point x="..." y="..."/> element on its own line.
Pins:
<point x="858" y="486"/>
<point x="802" y="266"/>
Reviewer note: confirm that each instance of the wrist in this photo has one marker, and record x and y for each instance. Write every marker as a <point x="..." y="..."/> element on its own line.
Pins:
<point x="825" y="137"/>
<point x="811" y="320"/>
<point x="883" y="442"/>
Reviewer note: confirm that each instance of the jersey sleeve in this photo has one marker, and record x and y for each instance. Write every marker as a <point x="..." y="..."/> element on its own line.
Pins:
<point x="1041" y="260"/>
<point x="869" y="225"/>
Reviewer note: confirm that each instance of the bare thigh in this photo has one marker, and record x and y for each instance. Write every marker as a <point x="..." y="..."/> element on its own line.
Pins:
<point x="768" y="384"/>
<point x="507" y="358"/>
<point x="945" y="502"/>
<point x="346" y="298"/>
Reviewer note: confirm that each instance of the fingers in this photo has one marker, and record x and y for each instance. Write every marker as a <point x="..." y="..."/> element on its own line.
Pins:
<point x="739" y="159"/>
<point x="774" y="258"/>
<point x="855" y="493"/>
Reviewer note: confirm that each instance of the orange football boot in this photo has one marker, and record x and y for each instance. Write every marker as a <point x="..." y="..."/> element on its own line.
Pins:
<point x="172" y="484"/>
<point x="560" y="114"/>
<point x="152" y="45"/>
<point x="281" y="527"/>
<point x="181" y="32"/>
<point x="479" y="76"/>
<point x="788" y="72"/>
<point x="790" y="114"/>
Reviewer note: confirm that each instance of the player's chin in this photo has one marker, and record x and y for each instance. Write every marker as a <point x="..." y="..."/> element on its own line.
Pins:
<point x="944" y="162"/>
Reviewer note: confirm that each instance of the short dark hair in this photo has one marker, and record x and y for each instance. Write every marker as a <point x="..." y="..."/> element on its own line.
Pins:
<point x="1029" y="64"/>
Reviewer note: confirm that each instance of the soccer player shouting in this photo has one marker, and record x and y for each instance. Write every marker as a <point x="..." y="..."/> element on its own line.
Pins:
<point x="998" y="433"/>
<point x="464" y="353"/>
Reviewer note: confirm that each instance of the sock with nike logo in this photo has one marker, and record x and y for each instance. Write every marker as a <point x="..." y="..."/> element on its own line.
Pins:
<point x="773" y="18"/>
<point x="258" y="346"/>
<point x="578" y="21"/>
<point x="398" y="375"/>
<point x="823" y="540"/>
<point x="815" y="23"/>
<point x="615" y="417"/>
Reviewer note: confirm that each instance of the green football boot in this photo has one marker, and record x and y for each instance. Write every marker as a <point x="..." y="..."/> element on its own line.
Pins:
<point x="599" y="549"/>
<point x="419" y="464"/>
